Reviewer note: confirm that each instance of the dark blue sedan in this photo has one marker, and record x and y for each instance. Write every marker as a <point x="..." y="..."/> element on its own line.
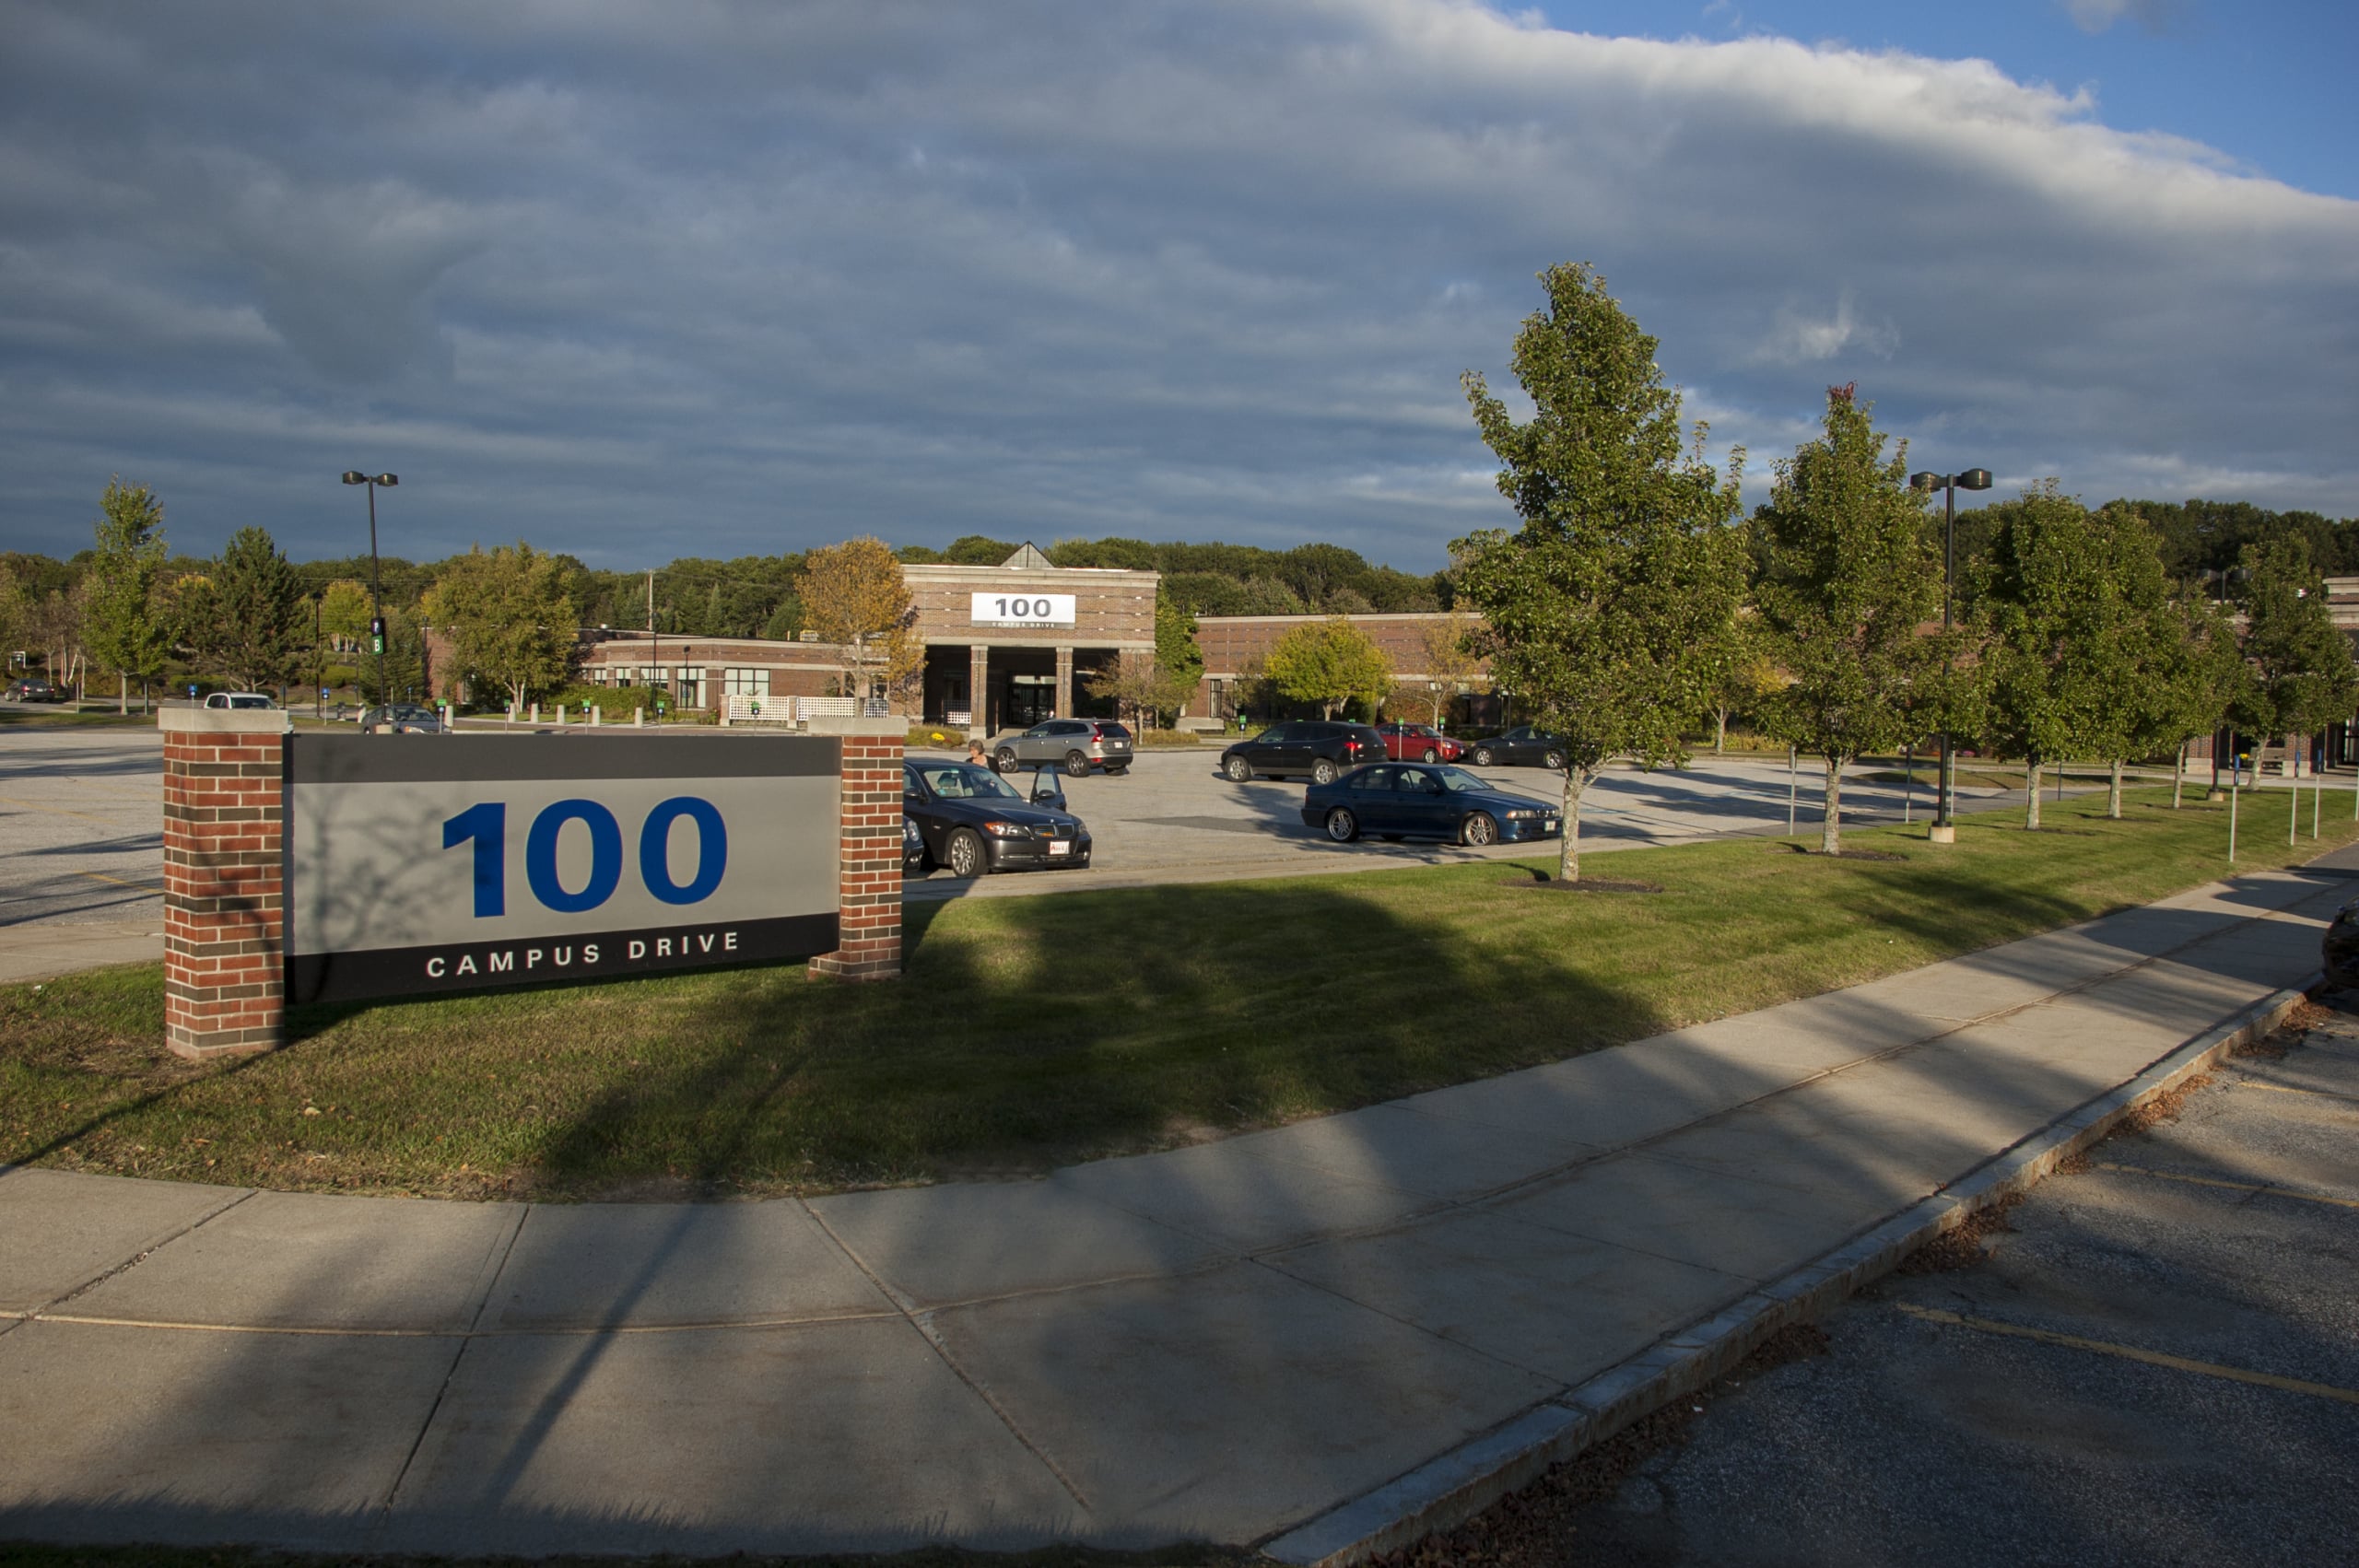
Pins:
<point x="1396" y="800"/>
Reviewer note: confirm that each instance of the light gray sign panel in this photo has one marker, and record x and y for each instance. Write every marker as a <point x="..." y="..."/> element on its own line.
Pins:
<point x="429" y="862"/>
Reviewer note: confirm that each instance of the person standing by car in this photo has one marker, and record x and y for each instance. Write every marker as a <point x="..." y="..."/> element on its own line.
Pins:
<point x="977" y="755"/>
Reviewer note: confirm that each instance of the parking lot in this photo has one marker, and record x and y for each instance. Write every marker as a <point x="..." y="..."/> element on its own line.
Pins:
<point x="2152" y="1359"/>
<point x="81" y="812"/>
<point x="1174" y="818"/>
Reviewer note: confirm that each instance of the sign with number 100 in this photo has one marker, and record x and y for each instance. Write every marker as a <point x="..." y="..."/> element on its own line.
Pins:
<point x="997" y="609"/>
<point x="486" y="827"/>
<point x="421" y="863"/>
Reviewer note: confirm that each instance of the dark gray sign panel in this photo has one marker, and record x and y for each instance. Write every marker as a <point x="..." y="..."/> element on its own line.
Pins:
<point x="419" y="863"/>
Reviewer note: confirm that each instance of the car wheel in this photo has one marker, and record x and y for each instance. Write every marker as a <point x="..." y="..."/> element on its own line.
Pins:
<point x="1004" y="760"/>
<point x="1479" y="830"/>
<point x="1553" y="762"/>
<point x="966" y="854"/>
<point x="1482" y="756"/>
<point x="1322" y="772"/>
<point x="1342" y="826"/>
<point x="1076" y="765"/>
<point x="1239" y="770"/>
<point x="1430" y="755"/>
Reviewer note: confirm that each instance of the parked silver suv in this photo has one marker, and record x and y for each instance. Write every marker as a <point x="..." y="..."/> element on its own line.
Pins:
<point x="1077" y="744"/>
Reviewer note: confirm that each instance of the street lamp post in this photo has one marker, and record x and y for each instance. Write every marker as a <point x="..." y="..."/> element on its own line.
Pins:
<point x="376" y="598"/>
<point x="1944" y="829"/>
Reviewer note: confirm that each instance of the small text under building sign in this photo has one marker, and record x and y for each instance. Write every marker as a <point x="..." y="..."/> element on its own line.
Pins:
<point x="417" y="865"/>
<point x="996" y="609"/>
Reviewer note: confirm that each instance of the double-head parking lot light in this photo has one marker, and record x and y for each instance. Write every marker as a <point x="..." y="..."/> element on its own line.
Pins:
<point x="376" y="597"/>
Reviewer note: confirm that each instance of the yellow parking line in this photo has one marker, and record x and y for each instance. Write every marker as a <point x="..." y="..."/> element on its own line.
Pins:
<point x="56" y="811"/>
<point x="2289" y="1089"/>
<point x="2130" y="1353"/>
<point x="102" y="876"/>
<point x="2232" y="1185"/>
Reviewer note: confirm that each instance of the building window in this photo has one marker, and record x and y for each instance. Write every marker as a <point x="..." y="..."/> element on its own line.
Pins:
<point x="746" y="683"/>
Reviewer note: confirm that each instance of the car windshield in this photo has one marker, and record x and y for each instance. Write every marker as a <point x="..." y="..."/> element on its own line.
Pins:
<point x="1457" y="779"/>
<point x="959" y="782"/>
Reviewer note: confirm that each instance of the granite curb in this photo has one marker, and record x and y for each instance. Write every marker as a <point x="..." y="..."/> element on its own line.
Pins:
<point x="1454" y="1486"/>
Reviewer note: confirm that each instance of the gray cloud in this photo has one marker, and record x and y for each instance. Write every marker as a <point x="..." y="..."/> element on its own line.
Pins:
<point x="713" y="277"/>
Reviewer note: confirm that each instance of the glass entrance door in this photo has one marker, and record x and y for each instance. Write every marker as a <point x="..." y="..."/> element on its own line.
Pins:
<point x="1031" y="698"/>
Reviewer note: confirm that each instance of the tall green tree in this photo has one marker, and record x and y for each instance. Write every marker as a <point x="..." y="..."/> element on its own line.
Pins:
<point x="125" y="627"/>
<point x="2182" y="659"/>
<point x="249" y="629"/>
<point x="507" y="618"/>
<point x="1331" y="662"/>
<point x="1844" y="579"/>
<point x="1176" y="653"/>
<point x="2197" y="674"/>
<point x="2055" y="657"/>
<point x="2302" y="675"/>
<point x="1605" y="614"/>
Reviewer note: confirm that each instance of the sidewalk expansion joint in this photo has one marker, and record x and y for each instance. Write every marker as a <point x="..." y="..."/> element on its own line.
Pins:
<point x="450" y="1373"/>
<point x="140" y="1256"/>
<point x="922" y="1321"/>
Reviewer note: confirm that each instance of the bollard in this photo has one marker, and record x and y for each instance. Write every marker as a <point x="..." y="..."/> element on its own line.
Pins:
<point x="638" y="717"/>
<point x="536" y="712"/>
<point x="2233" y="793"/>
<point x="597" y="715"/>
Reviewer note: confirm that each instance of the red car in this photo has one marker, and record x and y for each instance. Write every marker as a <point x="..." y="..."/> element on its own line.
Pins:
<point x="1418" y="742"/>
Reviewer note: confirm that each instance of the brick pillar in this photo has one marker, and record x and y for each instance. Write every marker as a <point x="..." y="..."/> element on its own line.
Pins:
<point x="979" y="691"/>
<point x="225" y="894"/>
<point x="869" y="876"/>
<point x="1065" y="683"/>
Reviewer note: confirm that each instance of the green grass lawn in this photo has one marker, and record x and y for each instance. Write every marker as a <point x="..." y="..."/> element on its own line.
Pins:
<point x="1033" y="1031"/>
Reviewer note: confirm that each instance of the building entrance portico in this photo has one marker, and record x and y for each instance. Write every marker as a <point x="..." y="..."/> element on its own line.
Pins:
<point x="1006" y="645"/>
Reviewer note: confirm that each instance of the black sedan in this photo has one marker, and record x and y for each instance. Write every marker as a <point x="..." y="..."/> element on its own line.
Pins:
<point x="1420" y="800"/>
<point x="1523" y="746"/>
<point x="974" y="822"/>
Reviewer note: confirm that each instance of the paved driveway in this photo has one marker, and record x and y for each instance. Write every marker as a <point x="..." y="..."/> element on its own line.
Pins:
<point x="1174" y="818"/>
<point x="81" y="849"/>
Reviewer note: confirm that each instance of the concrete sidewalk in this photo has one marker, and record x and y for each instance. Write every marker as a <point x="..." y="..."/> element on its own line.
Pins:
<point x="1288" y="1337"/>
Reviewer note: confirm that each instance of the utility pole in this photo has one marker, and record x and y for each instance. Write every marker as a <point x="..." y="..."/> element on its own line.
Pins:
<point x="654" y="645"/>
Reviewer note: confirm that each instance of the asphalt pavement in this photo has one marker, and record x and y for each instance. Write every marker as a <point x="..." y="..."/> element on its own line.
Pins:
<point x="2154" y="1359"/>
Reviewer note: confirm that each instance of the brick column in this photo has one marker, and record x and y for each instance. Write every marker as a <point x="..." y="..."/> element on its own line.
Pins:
<point x="1065" y="683"/>
<point x="979" y="691"/>
<point x="225" y="894"/>
<point x="869" y="877"/>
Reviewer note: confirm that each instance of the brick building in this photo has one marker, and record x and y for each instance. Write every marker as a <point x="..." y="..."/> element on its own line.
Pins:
<point x="1235" y="647"/>
<point x="1005" y="646"/>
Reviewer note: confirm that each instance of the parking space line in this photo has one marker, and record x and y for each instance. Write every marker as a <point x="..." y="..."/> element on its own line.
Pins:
<point x="2232" y="1185"/>
<point x="2132" y="1352"/>
<point x="102" y="876"/>
<point x="2289" y="1089"/>
<point x="57" y="811"/>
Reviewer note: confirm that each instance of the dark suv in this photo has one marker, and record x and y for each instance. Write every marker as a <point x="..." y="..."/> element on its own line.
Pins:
<point x="1320" y="748"/>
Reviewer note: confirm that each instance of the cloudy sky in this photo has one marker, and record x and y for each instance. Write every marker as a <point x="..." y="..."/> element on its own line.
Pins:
<point x="708" y="277"/>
